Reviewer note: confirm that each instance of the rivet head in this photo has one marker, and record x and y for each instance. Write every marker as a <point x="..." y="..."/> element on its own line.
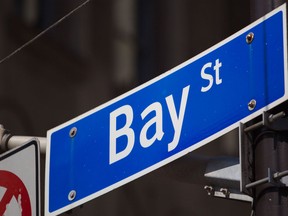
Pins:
<point x="252" y="105"/>
<point x="249" y="38"/>
<point x="72" y="195"/>
<point x="73" y="132"/>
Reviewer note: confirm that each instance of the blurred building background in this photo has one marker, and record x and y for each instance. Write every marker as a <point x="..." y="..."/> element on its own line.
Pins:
<point x="101" y="51"/>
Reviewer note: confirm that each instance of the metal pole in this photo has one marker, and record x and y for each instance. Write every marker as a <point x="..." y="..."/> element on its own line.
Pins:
<point x="16" y="141"/>
<point x="8" y="141"/>
<point x="270" y="156"/>
<point x="259" y="8"/>
<point x="270" y="149"/>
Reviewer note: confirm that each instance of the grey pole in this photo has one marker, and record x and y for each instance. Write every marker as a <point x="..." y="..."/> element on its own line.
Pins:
<point x="270" y="156"/>
<point x="270" y="149"/>
<point x="259" y="8"/>
<point x="8" y="141"/>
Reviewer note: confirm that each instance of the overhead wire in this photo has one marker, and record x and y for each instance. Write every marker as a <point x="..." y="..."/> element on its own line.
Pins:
<point x="44" y="31"/>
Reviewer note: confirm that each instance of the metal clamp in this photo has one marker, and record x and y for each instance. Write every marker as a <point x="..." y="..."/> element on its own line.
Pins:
<point x="4" y="138"/>
<point x="274" y="122"/>
<point x="269" y="179"/>
<point x="269" y="120"/>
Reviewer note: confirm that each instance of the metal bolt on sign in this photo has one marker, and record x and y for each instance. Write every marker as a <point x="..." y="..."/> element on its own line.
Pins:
<point x="249" y="38"/>
<point x="252" y="105"/>
<point x="72" y="195"/>
<point x="73" y="132"/>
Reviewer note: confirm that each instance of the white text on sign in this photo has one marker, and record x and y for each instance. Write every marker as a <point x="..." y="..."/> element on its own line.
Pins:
<point x="145" y="142"/>
<point x="209" y="77"/>
<point x="156" y="121"/>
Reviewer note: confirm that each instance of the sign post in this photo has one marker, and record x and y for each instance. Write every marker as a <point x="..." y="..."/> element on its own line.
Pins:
<point x="270" y="150"/>
<point x="19" y="181"/>
<point x="169" y="116"/>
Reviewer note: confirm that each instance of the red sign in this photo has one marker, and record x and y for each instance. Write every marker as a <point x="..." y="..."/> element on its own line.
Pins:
<point x="14" y="188"/>
<point x="19" y="180"/>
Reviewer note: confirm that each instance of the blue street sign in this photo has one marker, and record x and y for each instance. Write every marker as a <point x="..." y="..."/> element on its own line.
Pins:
<point x="169" y="116"/>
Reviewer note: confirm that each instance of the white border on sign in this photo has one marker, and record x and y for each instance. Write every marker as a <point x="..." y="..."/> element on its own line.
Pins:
<point x="179" y="154"/>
